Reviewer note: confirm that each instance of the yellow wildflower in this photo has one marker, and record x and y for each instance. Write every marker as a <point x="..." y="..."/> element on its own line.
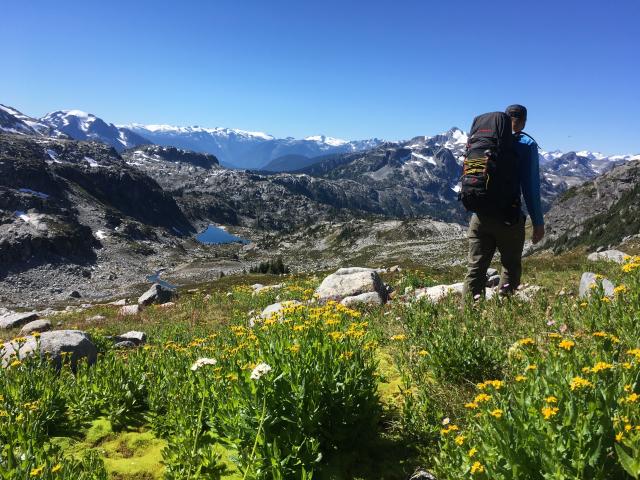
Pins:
<point x="56" y="468"/>
<point x="336" y="335"/>
<point x="549" y="412"/>
<point x="632" y="398"/>
<point x="620" y="289"/>
<point x="482" y="397"/>
<point x="477" y="467"/>
<point x="606" y="299"/>
<point x="459" y="439"/>
<point x="601" y="366"/>
<point x="399" y="338"/>
<point x="497" y="384"/>
<point x="520" y="378"/>
<point x="294" y="348"/>
<point x="346" y="355"/>
<point x="551" y="399"/>
<point x="497" y="413"/>
<point x="36" y="472"/>
<point x="635" y="352"/>
<point x="579" y="382"/>
<point x="531" y="367"/>
<point x="450" y="428"/>
<point x="16" y="363"/>
<point x="619" y="436"/>
<point x="472" y="451"/>
<point x="629" y="267"/>
<point x="471" y="405"/>
<point x="628" y="428"/>
<point x="555" y="335"/>
<point x="526" y="341"/>
<point x="567" y="344"/>
<point x="423" y="353"/>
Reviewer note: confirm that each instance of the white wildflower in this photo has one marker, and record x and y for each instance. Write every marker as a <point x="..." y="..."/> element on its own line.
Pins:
<point x="201" y="362"/>
<point x="260" y="370"/>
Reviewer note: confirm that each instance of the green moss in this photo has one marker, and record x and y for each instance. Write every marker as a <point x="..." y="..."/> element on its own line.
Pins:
<point x="390" y="379"/>
<point x="132" y="455"/>
<point x="99" y="430"/>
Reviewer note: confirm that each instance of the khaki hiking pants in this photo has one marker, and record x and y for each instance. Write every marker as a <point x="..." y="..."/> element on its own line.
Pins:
<point x="485" y="234"/>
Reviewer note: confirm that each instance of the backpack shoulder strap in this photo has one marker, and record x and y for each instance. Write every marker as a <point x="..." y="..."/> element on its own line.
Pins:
<point x="527" y="135"/>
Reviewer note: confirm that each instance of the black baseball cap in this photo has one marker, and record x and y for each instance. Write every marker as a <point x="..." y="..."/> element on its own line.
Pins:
<point x="517" y="111"/>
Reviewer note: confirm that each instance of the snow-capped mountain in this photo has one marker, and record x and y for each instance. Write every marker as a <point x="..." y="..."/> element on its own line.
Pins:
<point x="245" y="149"/>
<point x="80" y="125"/>
<point x="14" y="121"/>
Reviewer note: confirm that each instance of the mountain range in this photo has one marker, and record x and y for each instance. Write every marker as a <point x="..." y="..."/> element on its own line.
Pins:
<point x="259" y="151"/>
<point x="77" y="190"/>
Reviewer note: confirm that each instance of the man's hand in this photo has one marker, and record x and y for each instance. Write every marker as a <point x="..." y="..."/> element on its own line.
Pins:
<point x="538" y="233"/>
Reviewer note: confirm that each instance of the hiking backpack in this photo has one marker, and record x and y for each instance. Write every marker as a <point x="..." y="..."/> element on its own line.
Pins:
<point x="490" y="183"/>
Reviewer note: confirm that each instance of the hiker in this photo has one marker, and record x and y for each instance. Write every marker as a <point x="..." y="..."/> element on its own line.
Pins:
<point x="499" y="168"/>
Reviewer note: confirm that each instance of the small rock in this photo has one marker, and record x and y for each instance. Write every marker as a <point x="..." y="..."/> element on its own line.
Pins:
<point x="129" y="310"/>
<point x="13" y="320"/>
<point x="156" y="294"/>
<point x="527" y="293"/>
<point x="133" y="336"/>
<point x="493" y="281"/>
<point x="166" y="305"/>
<point x="40" y="326"/>
<point x="124" y="344"/>
<point x="395" y="268"/>
<point x="491" y="272"/>
<point x="259" y="288"/>
<point x="439" y="292"/>
<point x="421" y="474"/>
<point x="95" y="318"/>
<point x="369" y="298"/>
<point x="607" y="255"/>
<point x="275" y="309"/>
<point x="588" y="279"/>
<point x="118" y="303"/>
<point x="74" y="294"/>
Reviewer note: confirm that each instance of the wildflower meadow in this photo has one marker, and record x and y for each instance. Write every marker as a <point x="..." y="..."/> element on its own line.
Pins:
<point x="501" y="389"/>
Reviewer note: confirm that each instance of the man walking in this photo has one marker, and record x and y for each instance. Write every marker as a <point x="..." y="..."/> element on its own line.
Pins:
<point x="491" y="230"/>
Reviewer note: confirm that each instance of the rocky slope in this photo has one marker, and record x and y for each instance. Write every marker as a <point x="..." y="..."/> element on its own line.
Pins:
<point x="70" y="211"/>
<point x="600" y="212"/>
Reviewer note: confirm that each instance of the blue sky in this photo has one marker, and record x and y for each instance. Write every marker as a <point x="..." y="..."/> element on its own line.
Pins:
<point x="349" y="69"/>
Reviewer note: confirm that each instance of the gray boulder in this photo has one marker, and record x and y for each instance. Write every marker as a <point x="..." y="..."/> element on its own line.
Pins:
<point x="156" y="294"/>
<point x="96" y="318"/>
<point x="40" y="326"/>
<point x="493" y="281"/>
<point x="125" y="344"/>
<point x="439" y="292"/>
<point x="607" y="256"/>
<point x="136" y="337"/>
<point x="588" y="279"/>
<point x="130" y="310"/>
<point x="52" y="345"/>
<point x="369" y="298"/>
<point x="14" y="320"/>
<point x="350" y="282"/>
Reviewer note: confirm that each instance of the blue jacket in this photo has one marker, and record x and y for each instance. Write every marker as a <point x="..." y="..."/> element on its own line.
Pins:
<point x="527" y="150"/>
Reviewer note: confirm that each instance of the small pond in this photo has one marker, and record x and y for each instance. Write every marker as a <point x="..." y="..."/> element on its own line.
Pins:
<point x="215" y="235"/>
